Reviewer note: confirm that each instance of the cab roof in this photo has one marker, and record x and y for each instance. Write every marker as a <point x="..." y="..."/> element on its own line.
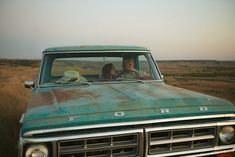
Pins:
<point x="95" y="48"/>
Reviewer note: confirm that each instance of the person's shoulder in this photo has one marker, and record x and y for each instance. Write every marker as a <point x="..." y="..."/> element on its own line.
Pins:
<point x="136" y="71"/>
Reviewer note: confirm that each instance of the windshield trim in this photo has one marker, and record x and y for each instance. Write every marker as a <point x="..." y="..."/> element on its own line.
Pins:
<point x="39" y="82"/>
<point x="96" y="83"/>
<point x="101" y="51"/>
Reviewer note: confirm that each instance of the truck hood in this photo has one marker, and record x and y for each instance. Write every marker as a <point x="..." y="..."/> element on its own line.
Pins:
<point x="68" y="106"/>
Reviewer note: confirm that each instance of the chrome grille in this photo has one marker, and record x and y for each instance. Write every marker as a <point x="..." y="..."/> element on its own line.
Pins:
<point x="161" y="141"/>
<point x="127" y="145"/>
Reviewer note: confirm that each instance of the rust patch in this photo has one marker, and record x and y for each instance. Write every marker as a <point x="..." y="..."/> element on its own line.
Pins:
<point x="59" y="96"/>
<point x="122" y="99"/>
<point x="65" y="95"/>
<point x="39" y="99"/>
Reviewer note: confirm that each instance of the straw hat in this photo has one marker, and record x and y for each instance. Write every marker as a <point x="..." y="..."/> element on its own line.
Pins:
<point x="69" y="76"/>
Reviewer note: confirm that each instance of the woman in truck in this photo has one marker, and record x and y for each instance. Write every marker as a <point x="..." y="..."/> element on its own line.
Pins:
<point x="109" y="71"/>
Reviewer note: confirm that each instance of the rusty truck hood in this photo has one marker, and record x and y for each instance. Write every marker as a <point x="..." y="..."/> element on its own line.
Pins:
<point x="68" y="106"/>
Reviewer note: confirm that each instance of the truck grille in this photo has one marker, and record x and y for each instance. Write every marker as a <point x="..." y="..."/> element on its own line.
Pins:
<point x="102" y="146"/>
<point x="168" y="141"/>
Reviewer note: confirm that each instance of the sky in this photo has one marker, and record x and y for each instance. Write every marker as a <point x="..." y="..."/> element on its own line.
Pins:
<point x="171" y="29"/>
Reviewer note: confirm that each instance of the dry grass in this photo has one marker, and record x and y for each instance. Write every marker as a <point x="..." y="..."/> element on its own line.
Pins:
<point x="216" y="78"/>
<point x="210" y="77"/>
<point x="13" y="101"/>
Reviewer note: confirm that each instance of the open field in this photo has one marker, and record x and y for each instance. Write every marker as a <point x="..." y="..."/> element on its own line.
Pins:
<point x="210" y="77"/>
<point x="13" y="101"/>
<point x="216" y="78"/>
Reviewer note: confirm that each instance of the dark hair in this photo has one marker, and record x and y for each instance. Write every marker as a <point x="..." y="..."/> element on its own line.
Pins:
<point x="106" y="70"/>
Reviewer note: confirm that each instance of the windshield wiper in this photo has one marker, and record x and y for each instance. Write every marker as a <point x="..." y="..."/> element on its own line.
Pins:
<point x="85" y="83"/>
<point x="141" y="81"/>
<point x="134" y="80"/>
<point x="74" y="83"/>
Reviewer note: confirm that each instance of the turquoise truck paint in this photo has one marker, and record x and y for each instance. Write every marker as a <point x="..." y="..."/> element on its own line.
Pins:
<point x="57" y="112"/>
<point x="102" y="48"/>
<point x="96" y="104"/>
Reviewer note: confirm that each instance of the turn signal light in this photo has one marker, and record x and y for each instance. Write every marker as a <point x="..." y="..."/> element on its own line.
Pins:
<point x="225" y="155"/>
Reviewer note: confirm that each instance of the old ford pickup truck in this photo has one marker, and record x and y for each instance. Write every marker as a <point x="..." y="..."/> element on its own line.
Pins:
<point x="76" y="111"/>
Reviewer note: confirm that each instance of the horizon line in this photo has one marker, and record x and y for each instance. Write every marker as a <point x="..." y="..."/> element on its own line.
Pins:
<point x="193" y="60"/>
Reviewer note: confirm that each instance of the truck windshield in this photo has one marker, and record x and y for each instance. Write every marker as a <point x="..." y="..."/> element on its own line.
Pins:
<point x="58" y="68"/>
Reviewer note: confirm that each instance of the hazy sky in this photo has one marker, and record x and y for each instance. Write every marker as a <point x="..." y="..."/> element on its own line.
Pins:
<point x="171" y="29"/>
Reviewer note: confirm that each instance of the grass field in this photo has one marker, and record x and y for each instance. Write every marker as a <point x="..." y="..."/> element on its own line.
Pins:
<point x="215" y="78"/>
<point x="211" y="77"/>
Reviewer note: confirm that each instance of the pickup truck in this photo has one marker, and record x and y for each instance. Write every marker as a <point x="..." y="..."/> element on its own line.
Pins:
<point x="88" y="103"/>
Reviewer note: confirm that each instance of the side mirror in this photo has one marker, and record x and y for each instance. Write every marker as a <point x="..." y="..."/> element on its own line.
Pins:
<point x="162" y="76"/>
<point x="29" y="84"/>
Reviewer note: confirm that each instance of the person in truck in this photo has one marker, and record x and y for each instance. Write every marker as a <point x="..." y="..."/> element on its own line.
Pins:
<point x="129" y="71"/>
<point x="109" y="71"/>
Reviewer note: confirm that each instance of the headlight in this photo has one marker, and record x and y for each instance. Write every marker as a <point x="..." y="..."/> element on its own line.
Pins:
<point x="227" y="134"/>
<point x="37" y="151"/>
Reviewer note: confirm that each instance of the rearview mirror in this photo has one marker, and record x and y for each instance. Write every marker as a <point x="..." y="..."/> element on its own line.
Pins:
<point x="29" y="84"/>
